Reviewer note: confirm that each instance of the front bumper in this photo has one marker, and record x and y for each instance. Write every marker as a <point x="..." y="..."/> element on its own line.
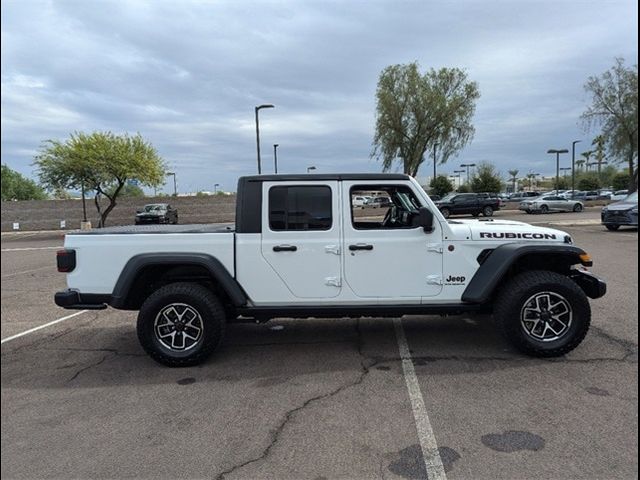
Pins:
<point x="74" y="300"/>
<point x="592" y="285"/>
<point x="619" y="217"/>
<point x="143" y="220"/>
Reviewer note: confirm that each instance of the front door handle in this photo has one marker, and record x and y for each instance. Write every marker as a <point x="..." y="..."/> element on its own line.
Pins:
<point x="285" y="248"/>
<point x="360" y="246"/>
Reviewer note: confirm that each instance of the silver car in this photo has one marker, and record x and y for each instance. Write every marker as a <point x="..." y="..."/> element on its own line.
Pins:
<point x="551" y="203"/>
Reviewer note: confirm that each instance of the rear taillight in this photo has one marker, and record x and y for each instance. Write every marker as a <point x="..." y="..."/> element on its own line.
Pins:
<point x="66" y="260"/>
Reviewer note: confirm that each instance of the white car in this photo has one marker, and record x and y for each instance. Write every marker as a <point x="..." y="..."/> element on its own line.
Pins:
<point x="298" y="251"/>
<point x="360" y="201"/>
<point x="619" y="195"/>
<point x="550" y="203"/>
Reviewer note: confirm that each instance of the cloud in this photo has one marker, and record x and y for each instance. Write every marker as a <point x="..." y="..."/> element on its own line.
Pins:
<point x="187" y="75"/>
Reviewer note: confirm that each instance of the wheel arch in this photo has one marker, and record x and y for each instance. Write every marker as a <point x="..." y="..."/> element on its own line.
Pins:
<point x="147" y="272"/>
<point x="510" y="259"/>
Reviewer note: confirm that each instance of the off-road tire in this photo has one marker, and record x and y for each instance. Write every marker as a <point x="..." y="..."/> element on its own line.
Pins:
<point x="578" y="208"/>
<point x="203" y="302"/>
<point x="446" y="213"/>
<point x="487" y="211"/>
<point x="510" y="303"/>
<point x="612" y="228"/>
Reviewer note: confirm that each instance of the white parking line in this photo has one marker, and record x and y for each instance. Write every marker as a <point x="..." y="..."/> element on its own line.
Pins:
<point x="428" y="444"/>
<point x="29" y="248"/>
<point x="27" y="332"/>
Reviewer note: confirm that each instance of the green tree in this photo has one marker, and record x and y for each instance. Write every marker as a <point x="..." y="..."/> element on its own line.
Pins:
<point x="614" y="108"/>
<point x="102" y="162"/>
<point x="620" y="181"/>
<point x="464" y="188"/>
<point x="129" y="191"/>
<point x="418" y="113"/>
<point x="440" y="186"/>
<point x="513" y="177"/>
<point x="589" y="181"/>
<point x="17" y="187"/>
<point x="486" y="179"/>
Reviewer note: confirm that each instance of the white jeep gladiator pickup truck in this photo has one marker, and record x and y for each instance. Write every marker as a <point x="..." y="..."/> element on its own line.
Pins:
<point x="300" y="248"/>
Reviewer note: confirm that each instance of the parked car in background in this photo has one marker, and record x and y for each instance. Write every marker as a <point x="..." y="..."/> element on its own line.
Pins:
<point x="519" y="196"/>
<point x="380" y="202"/>
<point x="622" y="213"/>
<point x="469" y="204"/>
<point x="550" y="203"/>
<point x="619" y="195"/>
<point x="605" y="194"/>
<point x="584" y="196"/>
<point x="568" y="193"/>
<point x="359" y="201"/>
<point x="157" y="213"/>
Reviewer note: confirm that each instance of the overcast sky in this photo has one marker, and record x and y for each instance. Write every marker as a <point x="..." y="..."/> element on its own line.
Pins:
<point x="188" y="75"/>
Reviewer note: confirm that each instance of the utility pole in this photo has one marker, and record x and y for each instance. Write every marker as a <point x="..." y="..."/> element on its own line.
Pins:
<point x="275" y="157"/>
<point x="257" y="109"/>
<point x="573" y="167"/>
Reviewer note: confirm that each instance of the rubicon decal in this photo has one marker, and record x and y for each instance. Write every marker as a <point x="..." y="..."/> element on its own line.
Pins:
<point x="526" y="236"/>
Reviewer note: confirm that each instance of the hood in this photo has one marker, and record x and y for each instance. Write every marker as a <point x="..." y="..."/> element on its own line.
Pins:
<point x="621" y="205"/>
<point x="506" y="230"/>
<point x="154" y="213"/>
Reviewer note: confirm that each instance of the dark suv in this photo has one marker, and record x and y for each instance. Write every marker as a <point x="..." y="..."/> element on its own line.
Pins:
<point x="157" y="213"/>
<point x="469" y="203"/>
<point x="622" y="213"/>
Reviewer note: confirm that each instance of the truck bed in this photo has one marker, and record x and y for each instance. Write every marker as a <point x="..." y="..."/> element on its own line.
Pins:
<point x="155" y="229"/>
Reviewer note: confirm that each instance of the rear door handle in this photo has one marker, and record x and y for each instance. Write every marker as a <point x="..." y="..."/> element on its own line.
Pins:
<point x="285" y="248"/>
<point x="360" y="246"/>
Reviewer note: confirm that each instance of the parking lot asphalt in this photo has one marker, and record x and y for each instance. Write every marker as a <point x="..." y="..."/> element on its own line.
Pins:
<point x="316" y="398"/>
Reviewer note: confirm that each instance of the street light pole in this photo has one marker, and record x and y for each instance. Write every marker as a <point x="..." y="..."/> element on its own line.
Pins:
<point x="557" y="152"/>
<point x="215" y="187"/>
<point x="435" y="146"/>
<point x="257" y="109"/>
<point x="275" y="157"/>
<point x="573" y="167"/>
<point x="468" y="165"/>
<point x="310" y="168"/>
<point x="175" y="186"/>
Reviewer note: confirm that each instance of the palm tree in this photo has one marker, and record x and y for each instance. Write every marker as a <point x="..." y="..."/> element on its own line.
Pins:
<point x="514" y="178"/>
<point x="598" y="142"/>
<point x="587" y="156"/>
<point x="579" y="163"/>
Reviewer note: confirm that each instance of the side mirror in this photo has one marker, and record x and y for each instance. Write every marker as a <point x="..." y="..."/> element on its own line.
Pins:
<point x="139" y="210"/>
<point x="425" y="219"/>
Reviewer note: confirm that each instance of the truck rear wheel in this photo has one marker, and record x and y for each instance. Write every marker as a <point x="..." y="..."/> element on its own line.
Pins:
<point x="543" y="314"/>
<point x="181" y="324"/>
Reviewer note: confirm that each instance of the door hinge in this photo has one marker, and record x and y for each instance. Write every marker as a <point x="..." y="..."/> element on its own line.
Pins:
<point x="335" y="249"/>
<point x="434" y="280"/>
<point x="333" y="281"/>
<point x="435" y="247"/>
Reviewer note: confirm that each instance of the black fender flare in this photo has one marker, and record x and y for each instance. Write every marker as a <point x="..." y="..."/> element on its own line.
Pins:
<point x="138" y="262"/>
<point x="497" y="264"/>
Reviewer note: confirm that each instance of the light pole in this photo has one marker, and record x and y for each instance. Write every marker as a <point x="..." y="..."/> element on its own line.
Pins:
<point x="468" y="165"/>
<point x="435" y="147"/>
<point x="565" y="170"/>
<point x="257" y="109"/>
<point x="557" y="152"/>
<point x="459" y="172"/>
<point x="310" y="168"/>
<point x="175" y="186"/>
<point x="215" y="188"/>
<point x="275" y="157"/>
<point x="573" y="167"/>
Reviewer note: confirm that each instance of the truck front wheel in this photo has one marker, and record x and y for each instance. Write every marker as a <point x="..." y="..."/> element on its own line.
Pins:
<point x="543" y="314"/>
<point x="487" y="211"/>
<point x="181" y="324"/>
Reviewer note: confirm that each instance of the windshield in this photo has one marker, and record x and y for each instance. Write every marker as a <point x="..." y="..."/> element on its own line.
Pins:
<point x="632" y="198"/>
<point x="153" y="208"/>
<point x="448" y="197"/>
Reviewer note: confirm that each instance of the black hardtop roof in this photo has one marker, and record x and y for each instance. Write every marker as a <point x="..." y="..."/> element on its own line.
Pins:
<point x="295" y="177"/>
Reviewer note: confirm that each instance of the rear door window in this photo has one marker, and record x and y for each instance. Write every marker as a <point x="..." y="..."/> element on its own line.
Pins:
<point x="300" y="208"/>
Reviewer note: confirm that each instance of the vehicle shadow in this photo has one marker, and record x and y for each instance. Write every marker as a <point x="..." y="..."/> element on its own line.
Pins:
<point x="278" y="352"/>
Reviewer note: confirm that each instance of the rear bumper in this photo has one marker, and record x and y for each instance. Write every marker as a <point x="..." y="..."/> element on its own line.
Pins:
<point x="74" y="300"/>
<point x="592" y="285"/>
